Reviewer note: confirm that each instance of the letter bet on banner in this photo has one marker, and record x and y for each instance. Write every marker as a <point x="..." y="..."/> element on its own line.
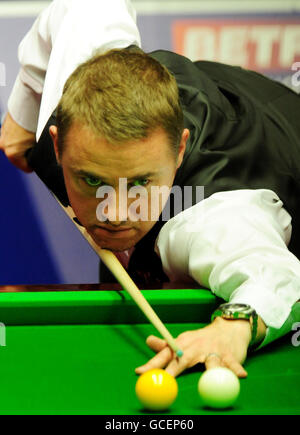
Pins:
<point x="264" y="44"/>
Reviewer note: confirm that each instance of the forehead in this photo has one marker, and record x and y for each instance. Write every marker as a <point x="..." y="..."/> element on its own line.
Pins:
<point x="87" y="152"/>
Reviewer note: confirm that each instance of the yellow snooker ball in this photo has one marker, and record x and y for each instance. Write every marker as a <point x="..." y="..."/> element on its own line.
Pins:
<point x="156" y="390"/>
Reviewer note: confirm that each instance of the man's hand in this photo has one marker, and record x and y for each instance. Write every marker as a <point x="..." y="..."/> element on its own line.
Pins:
<point x="15" y="141"/>
<point x="223" y="343"/>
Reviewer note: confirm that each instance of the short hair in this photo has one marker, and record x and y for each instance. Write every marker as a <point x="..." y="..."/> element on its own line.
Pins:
<point x="121" y="95"/>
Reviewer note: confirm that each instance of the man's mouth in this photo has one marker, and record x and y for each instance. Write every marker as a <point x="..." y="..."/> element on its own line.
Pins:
<point x="113" y="232"/>
<point x="115" y="229"/>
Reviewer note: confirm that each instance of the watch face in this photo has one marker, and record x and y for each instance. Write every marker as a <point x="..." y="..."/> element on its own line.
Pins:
<point x="237" y="309"/>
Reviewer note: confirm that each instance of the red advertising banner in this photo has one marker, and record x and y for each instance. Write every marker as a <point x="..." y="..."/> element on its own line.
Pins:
<point x="265" y="45"/>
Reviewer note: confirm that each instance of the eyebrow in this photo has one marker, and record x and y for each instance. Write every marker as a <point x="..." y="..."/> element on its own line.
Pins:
<point x="83" y="173"/>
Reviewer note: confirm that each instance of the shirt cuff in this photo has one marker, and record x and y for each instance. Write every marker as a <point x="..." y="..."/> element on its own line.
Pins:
<point x="292" y="323"/>
<point x="24" y="106"/>
<point x="272" y="308"/>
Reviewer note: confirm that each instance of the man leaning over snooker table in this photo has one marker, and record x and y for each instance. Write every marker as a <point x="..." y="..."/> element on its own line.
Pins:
<point x="123" y="115"/>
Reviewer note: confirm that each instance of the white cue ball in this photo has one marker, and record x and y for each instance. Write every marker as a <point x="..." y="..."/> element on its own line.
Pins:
<point x="219" y="388"/>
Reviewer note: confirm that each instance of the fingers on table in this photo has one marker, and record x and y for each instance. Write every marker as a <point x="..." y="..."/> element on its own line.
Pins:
<point x="155" y="343"/>
<point x="158" y="361"/>
<point x="163" y="354"/>
<point x="178" y="365"/>
<point x="166" y="359"/>
<point x="215" y="360"/>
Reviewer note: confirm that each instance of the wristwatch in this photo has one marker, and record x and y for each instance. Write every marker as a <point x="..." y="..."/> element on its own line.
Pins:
<point x="236" y="312"/>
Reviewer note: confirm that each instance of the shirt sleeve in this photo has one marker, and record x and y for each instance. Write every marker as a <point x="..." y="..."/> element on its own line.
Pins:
<point x="291" y="324"/>
<point x="65" y="34"/>
<point x="34" y="53"/>
<point x="236" y="244"/>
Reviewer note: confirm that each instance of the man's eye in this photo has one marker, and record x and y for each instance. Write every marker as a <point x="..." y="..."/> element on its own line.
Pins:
<point x="93" y="181"/>
<point x="140" y="183"/>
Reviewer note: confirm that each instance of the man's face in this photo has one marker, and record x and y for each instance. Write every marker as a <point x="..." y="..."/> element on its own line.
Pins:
<point x="90" y="164"/>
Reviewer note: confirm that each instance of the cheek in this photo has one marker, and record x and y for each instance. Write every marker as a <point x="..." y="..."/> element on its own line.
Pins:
<point x="146" y="208"/>
<point x="159" y="198"/>
<point x="84" y="207"/>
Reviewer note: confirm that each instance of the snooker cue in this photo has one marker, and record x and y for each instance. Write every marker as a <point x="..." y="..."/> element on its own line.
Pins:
<point x="119" y="272"/>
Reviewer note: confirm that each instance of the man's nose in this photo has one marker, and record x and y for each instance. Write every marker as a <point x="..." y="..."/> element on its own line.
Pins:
<point x="112" y="206"/>
<point x="118" y="209"/>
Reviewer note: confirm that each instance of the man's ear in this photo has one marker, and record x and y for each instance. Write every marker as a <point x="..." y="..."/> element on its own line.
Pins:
<point x="54" y="135"/>
<point x="182" y="146"/>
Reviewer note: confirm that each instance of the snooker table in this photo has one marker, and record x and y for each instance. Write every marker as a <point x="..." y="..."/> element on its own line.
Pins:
<point x="73" y="350"/>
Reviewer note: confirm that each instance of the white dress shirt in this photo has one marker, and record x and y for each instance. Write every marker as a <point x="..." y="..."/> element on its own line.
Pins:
<point x="235" y="243"/>
<point x="65" y="34"/>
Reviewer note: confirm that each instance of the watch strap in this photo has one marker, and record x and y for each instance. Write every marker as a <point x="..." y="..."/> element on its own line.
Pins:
<point x="249" y="314"/>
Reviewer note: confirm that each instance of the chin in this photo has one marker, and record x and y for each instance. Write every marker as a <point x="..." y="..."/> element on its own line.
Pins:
<point x="116" y="245"/>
